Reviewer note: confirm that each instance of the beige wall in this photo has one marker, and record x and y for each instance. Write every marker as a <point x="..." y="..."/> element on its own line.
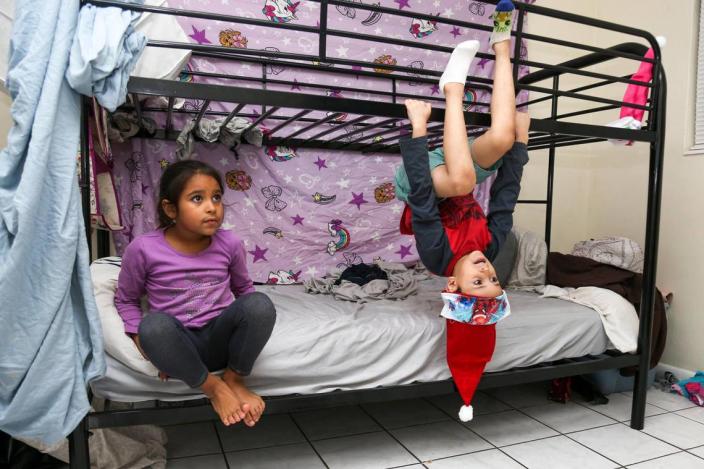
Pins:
<point x="601" y="188"/>
<point x="5" y="121"/>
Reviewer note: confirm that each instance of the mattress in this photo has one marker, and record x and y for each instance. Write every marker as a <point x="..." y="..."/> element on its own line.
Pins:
<point x="319" y="344"/>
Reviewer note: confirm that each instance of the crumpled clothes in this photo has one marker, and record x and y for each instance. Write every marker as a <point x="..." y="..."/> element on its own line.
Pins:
<point x="617" y="315"/>
<point x="212" y="130"/>
<point x="124" y="125"/>
<point x="401" y="284"/>
<point x="692" y="388"/>
<point x="185" y="140"/>
<point x="361" y="274"/>
<point x="115" y="448"/>
<point x="104" y="52"/>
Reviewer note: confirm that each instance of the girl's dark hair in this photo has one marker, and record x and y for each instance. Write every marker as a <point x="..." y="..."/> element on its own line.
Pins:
<point x="173" y="181"/>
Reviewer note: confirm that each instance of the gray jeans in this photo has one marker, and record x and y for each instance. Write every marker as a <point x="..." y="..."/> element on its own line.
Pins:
<point x="234" y="339"/>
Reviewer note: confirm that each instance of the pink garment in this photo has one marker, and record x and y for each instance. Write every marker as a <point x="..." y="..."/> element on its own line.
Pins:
<point x="637" y="94"/>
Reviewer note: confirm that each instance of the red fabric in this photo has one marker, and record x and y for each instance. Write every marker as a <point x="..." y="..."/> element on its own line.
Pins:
<point x="637" y="94"/>
<point x="469" y="348"/>
<point x="465" y="225"/>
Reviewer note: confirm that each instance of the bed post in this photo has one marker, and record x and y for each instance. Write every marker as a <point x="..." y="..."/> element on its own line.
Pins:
<point x="551" y="165"/>
<point x="79" y="457"/>
<point x="652" y="228"/>
<point x="78" y="439"/>
<point x="85" y="173"/>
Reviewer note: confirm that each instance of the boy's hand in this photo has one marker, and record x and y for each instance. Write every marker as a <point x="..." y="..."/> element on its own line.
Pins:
<point x="418" y="114"/>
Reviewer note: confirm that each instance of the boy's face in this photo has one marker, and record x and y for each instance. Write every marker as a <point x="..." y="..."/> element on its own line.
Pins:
<point x="474" y="275"/>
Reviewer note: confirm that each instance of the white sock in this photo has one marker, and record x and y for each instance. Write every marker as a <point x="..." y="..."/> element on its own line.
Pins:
<point x="458" y="66"/>
<point x="503" y="17"/>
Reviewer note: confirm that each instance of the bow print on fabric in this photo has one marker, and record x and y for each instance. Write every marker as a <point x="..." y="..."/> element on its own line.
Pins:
<point x="272" y="194"/>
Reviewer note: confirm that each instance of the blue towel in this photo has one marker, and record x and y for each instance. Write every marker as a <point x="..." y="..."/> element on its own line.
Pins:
<point x="51" y="344"/>
<point x="104" y="52"/>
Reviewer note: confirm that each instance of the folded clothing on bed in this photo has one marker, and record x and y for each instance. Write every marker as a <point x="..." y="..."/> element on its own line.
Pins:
<point x="565" y="270"/>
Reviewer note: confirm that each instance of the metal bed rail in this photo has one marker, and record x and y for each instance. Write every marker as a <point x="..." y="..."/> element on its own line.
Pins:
<point x="165" y="413"/>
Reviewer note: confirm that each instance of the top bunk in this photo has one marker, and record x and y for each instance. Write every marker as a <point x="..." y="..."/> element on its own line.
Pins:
<point x="317" y="112"/>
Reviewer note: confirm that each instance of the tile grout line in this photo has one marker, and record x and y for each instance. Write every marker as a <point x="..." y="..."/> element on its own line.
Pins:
<point x="566" y="436"/>
<point x="655" y="458"/>
<point x="695" y="455"/>
<point x="623" y="422"/>
<point x="241" y="450"/>
<point x="657" y="438"/>
<point x="389" y="433"/>
<point x="688" y="418"/>
<point x="478" y="435"/>
<point x="587" y="429"/>
<point x="445" y="419"/>
<point x="310" y="443"/>
<point x="691" y="404"/>
<point x="222" y="448"/>
<point x="163" y="427"/>
<point x="664" y="411"/>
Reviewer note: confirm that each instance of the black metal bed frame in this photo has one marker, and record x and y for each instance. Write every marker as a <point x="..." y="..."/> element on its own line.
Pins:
<point x="549" y="133"/>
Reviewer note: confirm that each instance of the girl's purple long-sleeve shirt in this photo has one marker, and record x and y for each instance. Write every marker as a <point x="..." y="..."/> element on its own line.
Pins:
<point x="194" y="288"/>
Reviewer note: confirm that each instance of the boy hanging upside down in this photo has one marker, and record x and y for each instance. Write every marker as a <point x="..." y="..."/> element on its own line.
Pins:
<point x="453" y="236"/>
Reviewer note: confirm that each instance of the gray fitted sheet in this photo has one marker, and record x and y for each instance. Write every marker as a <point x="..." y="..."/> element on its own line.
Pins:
<point x="320" y="344"/>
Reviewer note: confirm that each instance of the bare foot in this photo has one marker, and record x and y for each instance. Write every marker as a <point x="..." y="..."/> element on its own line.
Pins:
<point x="253" y="401"/>
<point x="522" y="126"/>
<point x="226" y="403"/>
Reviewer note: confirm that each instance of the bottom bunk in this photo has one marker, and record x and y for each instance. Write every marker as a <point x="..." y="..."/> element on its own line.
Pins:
<point x="323" y="345"/>
<point x="325" y="352"/>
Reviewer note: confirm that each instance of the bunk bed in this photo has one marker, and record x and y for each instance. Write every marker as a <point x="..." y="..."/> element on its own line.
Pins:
<point x="316" y="120"/>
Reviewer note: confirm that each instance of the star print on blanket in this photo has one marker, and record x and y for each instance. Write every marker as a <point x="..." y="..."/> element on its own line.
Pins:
<point x="303" y="212"/>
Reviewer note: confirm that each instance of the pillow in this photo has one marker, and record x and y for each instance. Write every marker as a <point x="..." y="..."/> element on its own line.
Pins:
<point x="613" y="250"/>
<point x="117" y="344"/>
<point x="531" y="260"/>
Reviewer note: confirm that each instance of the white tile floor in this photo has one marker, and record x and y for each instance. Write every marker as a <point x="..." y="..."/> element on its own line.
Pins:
<point x="513" y="428"/>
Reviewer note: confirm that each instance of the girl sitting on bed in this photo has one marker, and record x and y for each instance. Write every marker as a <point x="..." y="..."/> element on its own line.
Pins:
<point x="453" y="236"/>
<point x="189" y="269"/>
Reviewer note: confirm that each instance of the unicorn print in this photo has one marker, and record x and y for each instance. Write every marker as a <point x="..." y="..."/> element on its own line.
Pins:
<point x="422" y="28"/>
<point x="283" y="277"/>
<point x="280" y="11"/>
<point x="280" y="153"/>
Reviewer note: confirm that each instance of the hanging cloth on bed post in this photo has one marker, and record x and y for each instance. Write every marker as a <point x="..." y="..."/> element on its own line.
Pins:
<point x="104" y="204"/>
<point x="52" y="342"/>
